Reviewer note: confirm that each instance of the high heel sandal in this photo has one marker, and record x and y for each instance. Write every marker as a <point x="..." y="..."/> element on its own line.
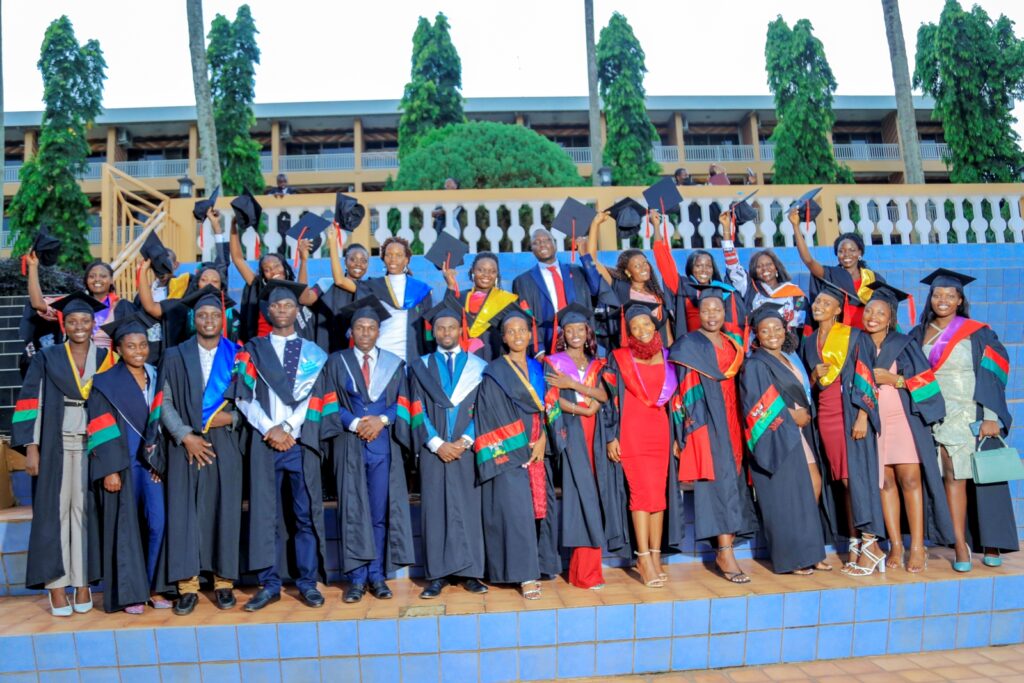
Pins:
<point x="530" y="589"/>
<point x="650" y="583"/>
<point x="877" y="561"/>
<point x="732" y="577"/>
<point x="82" y="607"/>
<point x="906" y="565"/>
<point x="854" y="552"/>
<point x="964" y="567"/>
<point x="903" y="557"/>
<point x="661" y="575"/>
<point x="64" y="611"/>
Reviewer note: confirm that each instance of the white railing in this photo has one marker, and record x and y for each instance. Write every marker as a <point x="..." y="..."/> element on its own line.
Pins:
<point x="934" y="150"/>
<point x="266" y="164"/>
<point x="300" y="163"/>
<point x="767" y="152"/>
<point x="93" y="171"/>
<point x="666" y="154"/>
<point x="382" y="159"/>
<point x="867" y="152"/>
<point x="579" y="155"/>
<point x="11" y="173"/>
<point x="154" y="168"/>
<point x="719" y="152"/>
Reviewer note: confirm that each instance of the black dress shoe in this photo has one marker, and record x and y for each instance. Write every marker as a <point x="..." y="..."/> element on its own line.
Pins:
<point x="433" y="589"/>
<point x="474" y="586"/>
<point x="186" y="603"/>
<point x="261" y="600"/>
<point x="354" y="593"/>
<point x="225" y="598"/>
<point x="313" y="598"/>
<point x="380" y="590"/>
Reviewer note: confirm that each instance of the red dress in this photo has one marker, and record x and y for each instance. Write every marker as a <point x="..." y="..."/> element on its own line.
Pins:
<point x="854" y="315"/>
<point x="644" y="442"/>
<point x="832" y="426"/>
<point x="585" y="562"/>
<point x="725" y="355"/>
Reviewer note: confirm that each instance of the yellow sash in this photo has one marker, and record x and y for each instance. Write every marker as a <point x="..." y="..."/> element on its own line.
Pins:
<point x="833" y="352"/>
<point x="85" y="388"/>
<point x="866" y="278"/>
<point x="526" y="383"/>
<point x="177" y="286"/>
<point x="495" y="303"/>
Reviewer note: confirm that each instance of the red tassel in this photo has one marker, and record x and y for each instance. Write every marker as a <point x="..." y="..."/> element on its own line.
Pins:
<point x="464" y="334"/>
<point x="554" y="333"/>
<point x="256" y="249"/>
<point x="913" y="309"/>
<point x="663" y="218"/>
<point x="138" y="276"/>
<point x="24" y="265"/>
<point x="201" y="236"/>
<point x="60" y="321"/>
<point x="647" y="224"/>
<point x="295" y="262"/>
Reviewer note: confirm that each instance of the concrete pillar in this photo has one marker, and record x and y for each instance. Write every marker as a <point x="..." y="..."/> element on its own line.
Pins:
<point x="520" y="120"/>
<point x="357" y="143"/>
<point x="111" y="145"/>
<point x="677" y="123"/>
<point x="193" y="152"/>
<point x="275" y="147"/>
<point x="30" y="145"/>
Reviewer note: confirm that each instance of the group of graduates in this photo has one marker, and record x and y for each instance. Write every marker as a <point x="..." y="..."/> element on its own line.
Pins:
<point x="808" y="416"/>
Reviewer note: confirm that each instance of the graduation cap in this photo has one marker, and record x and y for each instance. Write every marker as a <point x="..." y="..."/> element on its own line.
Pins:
<point x="742" y="211"/>
<point x="207" y="296"/>
<point x="709" y="292"/>
<point x="136" y="323"/>
<point x="46" y="246"/>
<point x="574" y="313"/>
<point x="447" y="251"/>
<point x="629" y="215"/>
<point x="574" y="219"/>
<point x="886" y="292"/>
<point x="766" y="311"/>
<point x="806" y="205"/>
<point x="348" y="212"/>
<point x="276" y="290"/>
<point x="444" y="309"/>
<point x="203" y="205"/>
<point x="309" y="227"/>
<point x="837" y="293"/>
<point x="155" y="251"/>
<point x="513" y="312"/>
<point x="78" y="302"/>
<point x="663" y="196"/>
<point x="247" y="210"/>
<point x="943" y="277"/>
<point x="367" y="307"/>
<point x="637" y="308"/>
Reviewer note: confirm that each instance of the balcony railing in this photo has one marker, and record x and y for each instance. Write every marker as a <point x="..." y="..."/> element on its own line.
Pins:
<point x="153" y="168"/>
<point x="666" y="154"/>
<point x="381" y="159"/>
<point x="867" y="152"/>
<point x="11" y="173"/>
<point x="579" y="155"/>
<point x="303" y="163"/>
<point x="719" y="152"/>
<point x="934" y="150"/>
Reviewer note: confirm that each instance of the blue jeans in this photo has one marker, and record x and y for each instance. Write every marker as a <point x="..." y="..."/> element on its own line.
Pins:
<point x="288" y="464"/>
<point x="149" y="495"/>
<point x="378" y="472"/>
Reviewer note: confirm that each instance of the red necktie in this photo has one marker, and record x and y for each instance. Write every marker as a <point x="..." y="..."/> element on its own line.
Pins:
<point x="366" y="370"/>
<point x="556" y="276"/>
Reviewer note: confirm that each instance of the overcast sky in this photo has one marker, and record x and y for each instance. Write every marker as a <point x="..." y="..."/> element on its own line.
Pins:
<point x="356" y="50"/>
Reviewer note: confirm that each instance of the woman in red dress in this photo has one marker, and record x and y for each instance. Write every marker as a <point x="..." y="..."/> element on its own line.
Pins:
<point x="644" y="385"/>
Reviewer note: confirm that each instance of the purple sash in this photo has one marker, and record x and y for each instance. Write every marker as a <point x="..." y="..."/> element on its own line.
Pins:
<point x="943" y="340"/>
<point x="668" y="386"/>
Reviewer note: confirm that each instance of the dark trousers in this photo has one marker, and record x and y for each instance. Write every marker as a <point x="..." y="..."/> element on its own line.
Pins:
<point x="288" y="464"/>
<point x="149" y="495"/>
<point x="378" y="472"/>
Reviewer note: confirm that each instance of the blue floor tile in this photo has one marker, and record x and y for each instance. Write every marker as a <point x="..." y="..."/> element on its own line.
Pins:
<point x="870" y="638"/>
<point x="1007" y="628"/>
<point x="728" y="615"/>
<point x="135" y="647"/>
<point x="576" y="661"/>
<point x="376" y="669"/>
<point x="458" y="632"/>
<point x="181" y="673"/>
<point x="872" y="603"/>
<point x="799" y="644"/>
<point x="835" y="641"/>
<point x="106" y="675"/>
<point x="417" y="635"/>
<point x="16" y="654"/>
<point x="763" y="647"/>
<point x="905" y="636"/>
<point x="691" y="617"/>
<point x="220" y="672"/>
<point x="217" y="643"/>
<point x="421" y="667"/>
<point x="972" y="630"/>
<point x="298" y="640"/>
<point x="975" y="595"/>
<point x="906" y="601"/>
<point x="654" y="620"/>
<point x="537" y="628"/>
<point x="652" y="654"/>
<point x="338" y="638"/>
<point x="497" y="666"/>
<point x="338" y="669"/>
<point x="726" y="650"/>
<point x="499" y="630"/>
<point x="939" y="633"/>
<point x="177" y="645"/>
<point x="260" y="672"/>
<point x="941" y="597"/>
<point x="800" y="609"/>
<point x="456" y="667"/>
<point x="55" y="651"/>
<point x="257" y="641"/>
<point x="764" y="612"/>
<point x="691" y="653"/>
<point x="576" y="625"/>
<point x="300" y="669"/>
<point x="141" y="674"/>
<point x="378" y="637"/>
<point x="614" y="659"/>
<point x="837" y="606"/>
<point x="616" y="622"/>
<point x="536" y="663"/>
<point x="59" y="676"/>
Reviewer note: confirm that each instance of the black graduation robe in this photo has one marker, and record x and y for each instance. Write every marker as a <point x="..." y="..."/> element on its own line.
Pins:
<point x="52" y="378"/>
<point x="204" y="504"/>
<point x="923" y="406"/>
<point x="581" y="283"/>
<point x="859" y="393"/>
<point x="417" y="301"/>
<point x="795" y="525"/>
<point x="343" y="378"/>
<point x="117" y="554"/>
<point x="256" y="373"/>
<point x="840" y="277"/>
<point x="990" y="522"/>
<point x="721" y="497"/>
<point x="485" y="324"/>
<point x="621" y="291"/>
<point x="681" y="294"/>
<point x="329" y="334"/>
<point x="594" y="510"/>
<point x="451" y="518"/>
<point x="37" y="333"/>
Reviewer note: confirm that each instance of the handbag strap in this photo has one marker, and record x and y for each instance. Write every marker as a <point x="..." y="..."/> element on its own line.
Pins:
<point x="985" y="438"/>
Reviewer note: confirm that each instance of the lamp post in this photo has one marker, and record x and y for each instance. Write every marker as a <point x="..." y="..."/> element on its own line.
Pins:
<point x="604" y="176"/>
<point x="185" y="186"/>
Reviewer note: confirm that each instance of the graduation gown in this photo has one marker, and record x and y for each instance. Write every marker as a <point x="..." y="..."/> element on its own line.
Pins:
<point x="417" y="301"/>
<point x="858" y="393"/>
<point x="518" y="546"/>
<point x="484" y="327"/>
<point x="991" y="522"/>
<point x="581" y="284"/>
<point x="329" y="334"/>
<point x="121" y="428"/>
<point x="593" y="513"/>
<point x="252" y="309"/>
<point x="618" y="380"/>
<point x="204" y="505"/>
<point x="256" y="373"/>
<point x="721" y="497"/>
<point x="840" y="277"/>
<point x="51" y="378"/>
<point x="620" y="290"/>
<point x="343" y="380"/>
<point x="451" y="518"/>
<point x="794" y="523"/>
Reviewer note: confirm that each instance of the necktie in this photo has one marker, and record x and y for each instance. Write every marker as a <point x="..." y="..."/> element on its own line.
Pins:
<point x="366" y="370"/>
<point x="451" y="364"/>
<point x="556" y="277"/>
<point x="292" y="349"/>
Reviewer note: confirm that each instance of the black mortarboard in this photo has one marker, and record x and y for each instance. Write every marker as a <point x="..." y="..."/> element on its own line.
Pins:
<point x="444" y="309"/>
<point x="887" y="293"/>
<point x="837" y="292"/>
<point x="46" y="247"/>
<point x="629" y="216"/>
<point x="662" y="196"/>
<point x="447" y="251"/>
<point x="807" y="200"/>
<point x="709" y="292"/>
<point x="367" y="307"/>
<point x="348" y="213"/>
<point x="765" y="311"/>
<point x="247" y="210"/>
<point x="742" y="210"/>
<point x="203" y="205"/>
<point x="78" y="302"/>
<point x="159" y="260"/>
<point x="136" y="323"/>
<point x="635" y="308"/>
<point x="943" y="277"/>
<point x="574" y="218"/>
<point x="275" y="290"/>
<point x="207" y="296"/>
<point x="574" y="313"/>
<point x="309" y="227"/>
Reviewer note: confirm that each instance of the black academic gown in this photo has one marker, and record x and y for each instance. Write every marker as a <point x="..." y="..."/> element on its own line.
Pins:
<point x="343" y="378"/>
<point x="681" y="294"/>
<point x="721" y="501"/>
<point x="795" y="525"/>
<point x="990" y="519"/>
<point x="415" y="340"/>
<point x="51" y="370"/>
<point x="923" y="406"/>
<point x="594" y="510"/>
<point x="621" y="290"/>
<point x="257" y="371"/>
<point x="674" y="525"/>
<point x="485" y="324"/>
<point x="859" y="393"/>
<point x="581" y="283"/>
<point x="451" y="518"/>
<point x="204" y="504"/>
<point x="116" y="552"/>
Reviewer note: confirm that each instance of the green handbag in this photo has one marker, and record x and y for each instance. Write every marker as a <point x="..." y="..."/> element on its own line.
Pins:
<point x="996" y="464"/>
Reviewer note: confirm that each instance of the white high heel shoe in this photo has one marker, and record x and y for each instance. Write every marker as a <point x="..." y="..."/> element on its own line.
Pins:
<point x="64" y="611"/>
<point x="82" y="607"/>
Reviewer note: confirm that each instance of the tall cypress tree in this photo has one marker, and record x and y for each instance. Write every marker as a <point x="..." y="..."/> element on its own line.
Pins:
<point x="431" y="98"/>
<point x="630" y="134"/>
<point x="73" y="77"/>
<point x="233" y="56"/>
<point x="801" y="80"/>
<point x="974" y="68"/>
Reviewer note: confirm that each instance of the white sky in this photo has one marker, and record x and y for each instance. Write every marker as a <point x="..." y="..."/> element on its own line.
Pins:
<point x="355" y="50"/>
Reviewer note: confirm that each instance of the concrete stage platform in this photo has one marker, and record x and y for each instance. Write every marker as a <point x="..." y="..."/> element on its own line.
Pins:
<point x="698" y="621"/>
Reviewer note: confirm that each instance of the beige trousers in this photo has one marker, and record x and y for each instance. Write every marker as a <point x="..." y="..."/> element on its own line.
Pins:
<point x="72" y="514"/>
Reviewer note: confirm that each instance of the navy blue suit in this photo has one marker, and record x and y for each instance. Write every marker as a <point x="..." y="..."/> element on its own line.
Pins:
<point x="581" y="283"/>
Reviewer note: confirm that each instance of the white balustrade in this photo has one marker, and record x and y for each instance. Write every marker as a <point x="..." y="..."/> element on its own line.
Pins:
<point x="301" y="163"/>
<point x="866" y="152"/>
<point x="666" y="154"/>
<point x="380" y="159"/>
<point x="579" y="155"/>
<point x="152" y="168"/>
<point x="719" y="152"/>
<point x="11" y="173"/>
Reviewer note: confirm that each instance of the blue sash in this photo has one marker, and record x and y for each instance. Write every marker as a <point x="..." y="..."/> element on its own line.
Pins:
<point x="220" y="378"/>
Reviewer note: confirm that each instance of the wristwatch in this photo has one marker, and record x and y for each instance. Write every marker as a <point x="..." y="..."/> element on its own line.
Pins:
<point x="901" y="382"/>
<point x="467" y="442"/>
<point x="385" y="420"/>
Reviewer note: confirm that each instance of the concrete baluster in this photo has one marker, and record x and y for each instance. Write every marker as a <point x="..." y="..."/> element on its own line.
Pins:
<point x="979" y="223"/>
<point x="1016" y="223"/>
<point x="998" y="223"/>
<point x="903" y="225"/>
